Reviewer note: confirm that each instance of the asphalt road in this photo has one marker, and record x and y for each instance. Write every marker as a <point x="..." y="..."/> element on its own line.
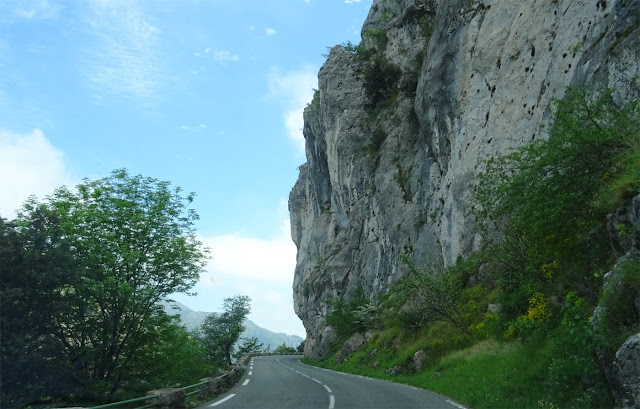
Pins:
<point x="283" y="382"/>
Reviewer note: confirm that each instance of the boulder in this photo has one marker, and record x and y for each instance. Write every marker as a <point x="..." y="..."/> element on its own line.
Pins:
<point x="169" y="398"/>
<point x="352" y="345"/>
<point x="627" y="373"/>
<point x="418" y="359"/>
<point x="396" y="370"/>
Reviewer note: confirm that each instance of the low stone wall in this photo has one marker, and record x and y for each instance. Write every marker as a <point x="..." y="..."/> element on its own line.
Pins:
<point x="175" y="398"/>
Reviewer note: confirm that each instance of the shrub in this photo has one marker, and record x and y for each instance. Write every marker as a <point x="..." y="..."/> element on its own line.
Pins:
<point x="380" y="81"/>
<point x="544" y="197"/>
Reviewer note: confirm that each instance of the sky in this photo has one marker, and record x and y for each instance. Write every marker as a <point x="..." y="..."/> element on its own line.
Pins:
<point x="205" y="94"/>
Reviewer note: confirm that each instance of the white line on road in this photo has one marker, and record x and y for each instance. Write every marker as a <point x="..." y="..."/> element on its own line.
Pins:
<point x="222" y="400"/>
<point x="250" y="373"/>
<point x="327" y="388"/>
<point x="332" y="402"/>
<point x="246" y="382"/>
<point x="315" y="380"/>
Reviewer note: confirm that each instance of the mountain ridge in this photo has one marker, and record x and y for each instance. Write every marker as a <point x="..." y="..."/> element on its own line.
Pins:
<point x="192" y="319"/>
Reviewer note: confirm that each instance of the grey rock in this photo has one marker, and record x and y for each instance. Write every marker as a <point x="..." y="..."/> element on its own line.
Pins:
<point x="485" y="80"/>
<point x="624" y="225"/>
<point x="627" y="373"/>
<point x="396" y="370"/>
<point x="418" y="359"/>
<point x="168" y="398"/>
<point x="376" y="364"/>
<point x="370" y="334"/>
<point x="494" y="308"/>
<point x="350" y="346"/>
<point x="373" y="353"/>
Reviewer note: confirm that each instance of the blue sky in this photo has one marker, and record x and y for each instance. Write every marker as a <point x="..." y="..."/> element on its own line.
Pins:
<point x="207" y="94"/>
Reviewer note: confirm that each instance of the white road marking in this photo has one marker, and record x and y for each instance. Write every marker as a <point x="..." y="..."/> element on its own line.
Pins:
<point x="250" y="373"/>
<point x="457" y="405"/>
<point x="332" y="399"/>
<point x="222" y="400"/>
<point x="246" y="382"/>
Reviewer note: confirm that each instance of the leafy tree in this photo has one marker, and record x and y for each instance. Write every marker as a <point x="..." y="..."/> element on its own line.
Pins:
<point x="128" y="242"/>
<point x="433" y="296"/>
<point x="343" y="318"/>
<point x="175" y="357"/>
<point x="33" y="261"/>
<point x="547" y="199"/>
<point x="284" y="349"/>
<point x="221" y="332"/>
<point x="249" y="345"/>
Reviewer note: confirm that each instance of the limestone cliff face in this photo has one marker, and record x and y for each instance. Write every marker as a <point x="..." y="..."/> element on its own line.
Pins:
<point x="391" y="172"/>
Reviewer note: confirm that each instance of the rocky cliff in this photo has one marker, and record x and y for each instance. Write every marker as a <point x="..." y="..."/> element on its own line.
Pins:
<point x="402" y="125"/>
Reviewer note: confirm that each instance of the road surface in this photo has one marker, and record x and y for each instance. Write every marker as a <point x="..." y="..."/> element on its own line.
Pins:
<point x="283" y="382"/>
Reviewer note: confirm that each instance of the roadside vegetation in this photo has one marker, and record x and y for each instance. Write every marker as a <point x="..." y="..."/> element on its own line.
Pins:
<point x="511" y="325"/>
<point x="84" y="275"/>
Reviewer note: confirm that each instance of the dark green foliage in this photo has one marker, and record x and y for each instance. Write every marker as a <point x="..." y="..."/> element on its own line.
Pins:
<point x="575" y="379"/>
<point x="544" y="197"/>
<point x="173" y="357"/>
<point x="377" y="38"/>
<point x="380" y="81"/>
<point x="423" y="16"/>
<point x="619" y="319"/>
<point x="356" y="315"/>
<point x="33" y="261"/>
<point x="377" y="138"/>
<point x="249" y="345"/>
<point x="432" y="296"/>
<point x="283" y="349"/>
<point x="85" y="273"/>
<point x="219" y="333"/>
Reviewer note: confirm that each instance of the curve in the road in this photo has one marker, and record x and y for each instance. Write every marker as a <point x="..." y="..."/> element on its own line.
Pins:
<point x="286" y="383"/>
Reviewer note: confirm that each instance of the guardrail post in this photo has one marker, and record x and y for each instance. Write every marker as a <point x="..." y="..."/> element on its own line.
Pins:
<point x="169" y="398"/>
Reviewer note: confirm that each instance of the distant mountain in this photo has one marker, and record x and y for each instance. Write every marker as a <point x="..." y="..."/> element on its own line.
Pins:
<point x="193" y="319"/>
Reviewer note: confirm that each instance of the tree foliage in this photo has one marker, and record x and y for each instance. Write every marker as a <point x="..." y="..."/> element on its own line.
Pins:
<point x="434" y="296"/>
<point x="249" y="345"/>
<point x="219" y="333"/>
<point x="547" y="199"/>
<point x="98" y="259"/>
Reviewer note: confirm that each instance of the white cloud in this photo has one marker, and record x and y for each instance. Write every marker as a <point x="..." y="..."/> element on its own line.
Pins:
<point x="29" y="165"/>
<point x="270" y="31"/>
<point x="224" y="55"/>
<point x="30" y="9"/>
<point x="263" y="269"/>
<point x="252" y="28"/>
<point x="125" y="59"/>
<point x="238" y="257"/>
<point x="193" y="128"/>
<point x="295" y="89"/>
<point x="352" y="1"/>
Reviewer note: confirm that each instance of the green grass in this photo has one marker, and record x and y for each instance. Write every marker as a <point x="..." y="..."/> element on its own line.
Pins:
<point x="489" y="373"/>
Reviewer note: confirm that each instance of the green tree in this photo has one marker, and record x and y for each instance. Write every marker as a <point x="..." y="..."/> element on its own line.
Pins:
<point x="175" y="357"/>
<point x="284" y="349"/>
<point x="249" y="345"/>
<point x="131" y="242"/>
<point x="221" y="332"/>
<point x="33" y="261"/>
<point x="547" y="199"/>
<point x="433" y="296"/>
